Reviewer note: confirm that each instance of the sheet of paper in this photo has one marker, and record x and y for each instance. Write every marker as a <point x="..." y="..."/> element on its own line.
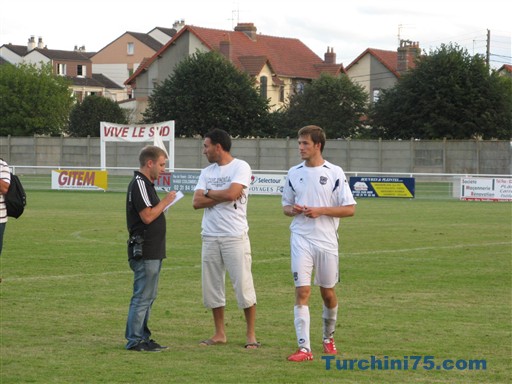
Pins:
<point x="179" y="196"/>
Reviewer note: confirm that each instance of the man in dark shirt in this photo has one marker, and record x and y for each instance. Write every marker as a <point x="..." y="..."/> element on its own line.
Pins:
<point x="146" y="245"/>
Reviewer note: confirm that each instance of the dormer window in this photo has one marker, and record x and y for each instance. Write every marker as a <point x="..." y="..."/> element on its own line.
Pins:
<point x="130" y="49"/>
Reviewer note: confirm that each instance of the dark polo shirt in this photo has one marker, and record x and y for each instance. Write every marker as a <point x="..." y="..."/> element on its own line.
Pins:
<point x="142" y="194"/>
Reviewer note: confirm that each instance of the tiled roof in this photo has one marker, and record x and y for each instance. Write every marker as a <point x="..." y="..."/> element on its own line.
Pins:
<point x="288" y="57"/>
<point x="107" y="83"/>
<point x="55" y="54"/>
<point x="168" y="31"/>
<point x="97" y="80"/>
<point x="506" y="68"/>
<point x="144" y="38"/>
<point x="20" y="50"/>
<point x="388" y="58"/>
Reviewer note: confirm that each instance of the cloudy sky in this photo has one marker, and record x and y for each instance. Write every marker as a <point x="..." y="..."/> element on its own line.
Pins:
<point x="348" y="27"/>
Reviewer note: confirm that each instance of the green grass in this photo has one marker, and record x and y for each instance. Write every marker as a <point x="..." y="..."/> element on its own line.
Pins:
<point x="422" y="277"/>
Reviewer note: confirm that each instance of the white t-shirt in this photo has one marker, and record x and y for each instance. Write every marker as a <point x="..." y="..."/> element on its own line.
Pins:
<point x="228" y="218"/>
<point x="323" y="186"/>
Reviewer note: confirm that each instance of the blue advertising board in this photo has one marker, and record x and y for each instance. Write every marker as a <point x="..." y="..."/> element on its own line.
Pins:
<point x="382" y="186"/>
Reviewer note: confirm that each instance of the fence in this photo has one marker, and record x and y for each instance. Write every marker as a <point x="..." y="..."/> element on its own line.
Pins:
<point x="435" y="157"/>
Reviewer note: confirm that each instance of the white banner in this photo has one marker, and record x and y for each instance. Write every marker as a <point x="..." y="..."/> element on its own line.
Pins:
<point x="486" y="189"/>
<point x="156" y="132"/>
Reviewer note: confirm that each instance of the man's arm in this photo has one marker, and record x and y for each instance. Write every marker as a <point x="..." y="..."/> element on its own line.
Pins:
<point x="4" y="186"/>
<point x="215" y="197"/>
<point x="149" y="214"/>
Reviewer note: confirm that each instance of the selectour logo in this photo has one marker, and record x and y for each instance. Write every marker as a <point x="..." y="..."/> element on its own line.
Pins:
<point x="267" y="184"/>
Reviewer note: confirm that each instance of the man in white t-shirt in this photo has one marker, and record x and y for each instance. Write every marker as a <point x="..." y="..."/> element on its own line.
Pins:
<point x="316" y="194"/>
<point x="222" y="191"/>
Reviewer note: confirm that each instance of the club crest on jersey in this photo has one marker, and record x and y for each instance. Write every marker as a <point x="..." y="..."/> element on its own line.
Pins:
<point x="323" y="180"/>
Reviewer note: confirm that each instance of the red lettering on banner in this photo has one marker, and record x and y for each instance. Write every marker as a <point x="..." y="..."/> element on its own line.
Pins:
<point x="138" y="131"/>
<point x="116" y="131"/>
<point x="165" y="131"/>
<point x="78" y="178"/>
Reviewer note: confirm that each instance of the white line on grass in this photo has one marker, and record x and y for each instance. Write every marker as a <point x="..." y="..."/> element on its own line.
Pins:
<point x="270" y="260"/>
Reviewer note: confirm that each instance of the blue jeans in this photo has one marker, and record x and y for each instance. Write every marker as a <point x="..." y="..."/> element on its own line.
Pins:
<point x="145" y="288"/>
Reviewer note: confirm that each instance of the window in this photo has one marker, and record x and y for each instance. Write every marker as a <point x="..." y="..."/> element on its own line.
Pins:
<point x="376" y="95"/>
<point x="263" y="86"/>
<point x="61" y="69"/>
<point x="130" y="48"/>
<point x="281" y="94"/>
<point x="299" y="87"/>
<point x="81" y="70"/>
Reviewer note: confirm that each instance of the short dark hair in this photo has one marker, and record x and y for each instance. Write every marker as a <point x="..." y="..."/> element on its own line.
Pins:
<point x="219" y="136"/>
<point x="150" y="152"/>
<point x="316" y="133"/>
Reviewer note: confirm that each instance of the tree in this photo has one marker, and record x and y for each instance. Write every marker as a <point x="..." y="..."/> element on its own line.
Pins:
<point x="335" y="103"/>
<point x="33" y="100"/>
<point x="206" y="91"/>
<point x="449" y="94"/>
<point x="85" y="117"/>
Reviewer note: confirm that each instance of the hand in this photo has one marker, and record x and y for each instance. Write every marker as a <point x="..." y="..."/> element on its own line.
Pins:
<point x="310" y="212"/>
<point x="170" y="197"/>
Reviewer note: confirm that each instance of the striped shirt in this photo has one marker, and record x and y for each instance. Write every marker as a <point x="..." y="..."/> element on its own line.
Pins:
<point x="5" y="175"/>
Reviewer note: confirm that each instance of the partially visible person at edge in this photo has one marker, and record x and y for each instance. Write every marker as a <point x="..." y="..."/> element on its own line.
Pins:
<point x="5" y="181"/>
<point x="146" y="245"/>
<point x="222" y="191"/>
<point x="316" y="194"/>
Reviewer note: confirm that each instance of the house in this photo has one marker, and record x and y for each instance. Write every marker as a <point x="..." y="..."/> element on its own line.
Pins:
<point x="281" y="66"/>
<point x="377" y="69"/>
<point x="76" y="65"/>
<point x="505" y="70"/>
<point x="121" y="57"/>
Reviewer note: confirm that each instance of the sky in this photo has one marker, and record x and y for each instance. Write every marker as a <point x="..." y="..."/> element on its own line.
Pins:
<point x="347" y="27"/>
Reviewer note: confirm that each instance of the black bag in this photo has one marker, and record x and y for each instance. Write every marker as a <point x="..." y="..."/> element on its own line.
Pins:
<point x="15" y="198"/>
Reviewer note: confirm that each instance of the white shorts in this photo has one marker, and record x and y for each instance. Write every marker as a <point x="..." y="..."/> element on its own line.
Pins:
<point x="307" y="257"/>
<point x="232" y="254"/>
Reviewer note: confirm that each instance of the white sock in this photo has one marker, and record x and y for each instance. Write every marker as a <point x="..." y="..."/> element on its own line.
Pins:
<point x="329" y="316"/>
<point x="301" y="314"/>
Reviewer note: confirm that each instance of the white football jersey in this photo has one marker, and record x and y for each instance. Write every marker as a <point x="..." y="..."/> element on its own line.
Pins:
<point x="323" y="186"/>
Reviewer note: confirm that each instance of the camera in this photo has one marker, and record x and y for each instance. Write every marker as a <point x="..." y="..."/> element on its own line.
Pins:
<point x="136" y="242"/>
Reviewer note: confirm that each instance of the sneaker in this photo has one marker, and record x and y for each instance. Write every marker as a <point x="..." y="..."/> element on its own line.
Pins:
<point x="301" y="355"/>
<point x="154" y="345"/>
<point x="144" y="347"/>
<point x="329" y="346"/>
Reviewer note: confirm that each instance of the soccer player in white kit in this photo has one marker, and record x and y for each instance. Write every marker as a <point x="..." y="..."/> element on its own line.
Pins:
<point x="316" y="194"/>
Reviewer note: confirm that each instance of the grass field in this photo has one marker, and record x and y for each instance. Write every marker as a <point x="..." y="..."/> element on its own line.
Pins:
<point x="420" y="277"/>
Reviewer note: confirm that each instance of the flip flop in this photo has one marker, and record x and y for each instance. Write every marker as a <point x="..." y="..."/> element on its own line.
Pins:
<point x="209" y="342"/>
<point x="254" y="345"/>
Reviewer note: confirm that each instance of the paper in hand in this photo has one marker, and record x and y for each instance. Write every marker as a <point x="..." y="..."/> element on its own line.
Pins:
<point x="179" y="196"/>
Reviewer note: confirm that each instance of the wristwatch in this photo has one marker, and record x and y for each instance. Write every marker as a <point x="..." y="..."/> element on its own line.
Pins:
<point x="206" y="192"/>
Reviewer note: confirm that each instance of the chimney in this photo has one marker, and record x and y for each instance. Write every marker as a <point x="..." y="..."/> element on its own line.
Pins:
<point x="31" y="43"/>
<point x="225" y="47"/>
<point x="40" y="43"/>
<point x="248" y="28"/>
<point x="330" y="56"/>
<point x="178" y="24"/>
<point x="406" y="54"/>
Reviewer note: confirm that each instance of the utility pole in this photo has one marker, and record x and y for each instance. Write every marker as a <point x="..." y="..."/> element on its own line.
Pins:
<point x="488" y="52"/>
